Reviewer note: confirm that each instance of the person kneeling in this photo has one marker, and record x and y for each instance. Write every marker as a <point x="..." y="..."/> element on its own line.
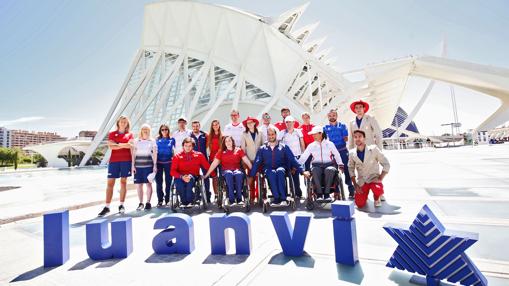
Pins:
<point x="185" y="169"/>
<point x="323" y="167"/>
<point x="230" y="158"/>
<point x="366" y="160"/>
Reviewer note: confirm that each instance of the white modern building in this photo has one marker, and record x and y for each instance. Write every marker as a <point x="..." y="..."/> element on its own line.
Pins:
<point x="201" y="60"/>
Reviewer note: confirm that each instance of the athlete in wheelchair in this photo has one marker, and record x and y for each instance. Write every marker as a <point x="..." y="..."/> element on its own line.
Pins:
<point x="232" y="173"/>
<point x="188" y="189"/>
<point x="277" y="163"/>
<point x="325" y="170"/>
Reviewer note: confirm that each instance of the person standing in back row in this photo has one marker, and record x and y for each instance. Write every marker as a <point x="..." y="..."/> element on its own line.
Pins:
<point x="337" y="133"/>
<point x="200" y="138"/>
<point x="281" y="125"/>
<point x="180" y="134"/>
<point x="266" y="125"/>
<point x="306" y="127"/>
<point x="234" y="128"/>
<point x="366" y="123"/>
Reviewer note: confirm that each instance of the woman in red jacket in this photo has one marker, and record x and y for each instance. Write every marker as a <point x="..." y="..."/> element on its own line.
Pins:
<point x="185" y="168"/>
<point x="230" y="158"/>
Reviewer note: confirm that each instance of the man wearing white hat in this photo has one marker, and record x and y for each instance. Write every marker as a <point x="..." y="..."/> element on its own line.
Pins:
<point x="180" y="134"/>
<point x="294" y="139"/>
<point x="325" y="158"/>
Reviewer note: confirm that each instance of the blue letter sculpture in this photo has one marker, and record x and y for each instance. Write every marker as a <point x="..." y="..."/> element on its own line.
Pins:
<point x="98" y="244"/>
<point x="291" y="240"/>
<point x="345" y="233"/>
<point x="428" y="249"/>
<point x="182" y="232"/>
<point x="241" y="225"/>
<point x="56" y="238"/>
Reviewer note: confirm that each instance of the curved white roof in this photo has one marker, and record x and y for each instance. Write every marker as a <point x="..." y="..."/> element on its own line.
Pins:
<point x="201" y="60"/>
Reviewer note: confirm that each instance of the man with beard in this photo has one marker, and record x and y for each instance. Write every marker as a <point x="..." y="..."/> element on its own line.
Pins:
<point x="366" y="160"/>
<point x="337" y="133"/>
<point x="275" y="158"/>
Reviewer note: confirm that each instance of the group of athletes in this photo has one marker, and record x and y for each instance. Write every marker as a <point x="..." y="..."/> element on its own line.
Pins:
<point x="241" y="151"/>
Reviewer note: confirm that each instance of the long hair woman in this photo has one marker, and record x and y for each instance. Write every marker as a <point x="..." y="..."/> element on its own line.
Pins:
<point x="230" y="158"/>
<point x="165" y="148"/>
<point x="214" y="144"/>
<point x="144" y="163"/>
<point x="120" y="142"/>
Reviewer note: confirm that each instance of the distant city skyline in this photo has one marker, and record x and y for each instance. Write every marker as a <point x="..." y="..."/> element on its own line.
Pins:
<point x="61" y="70"/>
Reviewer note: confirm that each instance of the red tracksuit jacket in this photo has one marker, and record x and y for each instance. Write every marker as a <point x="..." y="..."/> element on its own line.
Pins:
<point x="188" y="163"/>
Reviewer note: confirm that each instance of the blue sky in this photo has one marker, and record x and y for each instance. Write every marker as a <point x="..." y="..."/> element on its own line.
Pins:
<point x="62" y="62"/>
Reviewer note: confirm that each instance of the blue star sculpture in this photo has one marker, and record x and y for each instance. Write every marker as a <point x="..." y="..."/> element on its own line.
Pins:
<point x="428" y="249"/>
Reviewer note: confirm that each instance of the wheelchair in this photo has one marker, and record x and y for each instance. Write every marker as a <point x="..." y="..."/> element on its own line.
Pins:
<point x="222" y="192"/>
<point x="199" y="195"/>
<point x="265" y="199"/>
<point x="337" y="190"/>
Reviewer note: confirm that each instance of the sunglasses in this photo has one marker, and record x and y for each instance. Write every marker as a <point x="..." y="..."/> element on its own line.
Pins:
<point x="266" y="116"/>
<point x="165" y="129"/>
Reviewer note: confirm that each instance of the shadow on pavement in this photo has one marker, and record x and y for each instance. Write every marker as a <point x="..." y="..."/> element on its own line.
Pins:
<point x="352" y="274"/>
<point x="225" y="259"/>
<point x="32" y="274"/>
<point x="89" y="262"/>
<point x="168" y="258"/>
<point x="377" y="212"/>
<point x="305" y="260"/>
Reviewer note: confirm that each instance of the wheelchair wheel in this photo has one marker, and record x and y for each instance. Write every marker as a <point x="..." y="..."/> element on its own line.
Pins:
<point x="203" y="195"/>
<point x="341" y="188"/>
<point x="310" y="205"/>
<point x="247" y="196"/>
<point x="173" y="197"/>
<point x="262" y="190"/>
<point x="220" y="189"/>
<point x="291" y="186"/>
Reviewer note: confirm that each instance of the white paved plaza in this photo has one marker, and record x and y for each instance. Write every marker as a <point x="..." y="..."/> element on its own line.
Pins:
<point x="467" y="188"/>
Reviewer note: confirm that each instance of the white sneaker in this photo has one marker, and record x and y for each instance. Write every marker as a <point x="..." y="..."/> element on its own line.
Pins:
<point x="189" y="205"/>
<point x="378" y="203"/>
<point x="284" y="203"/>
<point x="382" y="198"/>
<point x="233" y="204"/>
<point x="241" y="204"/>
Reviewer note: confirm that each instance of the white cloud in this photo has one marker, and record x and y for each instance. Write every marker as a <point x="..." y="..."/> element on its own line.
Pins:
<point x="21" y="120"/>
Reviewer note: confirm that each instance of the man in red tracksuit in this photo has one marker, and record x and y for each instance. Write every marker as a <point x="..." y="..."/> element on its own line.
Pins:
<point x="185" y="168"/>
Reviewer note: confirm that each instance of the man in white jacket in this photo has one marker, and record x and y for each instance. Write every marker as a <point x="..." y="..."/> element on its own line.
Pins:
<point x="364" y="166"/>
<point x="366" y="123"/>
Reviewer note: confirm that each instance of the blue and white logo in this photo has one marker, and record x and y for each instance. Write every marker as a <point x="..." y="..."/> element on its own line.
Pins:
<point x="428" y="249"/>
